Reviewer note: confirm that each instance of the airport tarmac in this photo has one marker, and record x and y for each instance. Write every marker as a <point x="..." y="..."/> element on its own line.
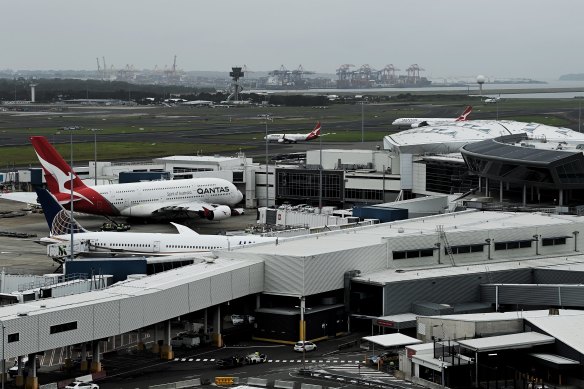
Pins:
<point x="24" y="256"/>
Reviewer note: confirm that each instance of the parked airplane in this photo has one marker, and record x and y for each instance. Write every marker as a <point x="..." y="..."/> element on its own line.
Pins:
<point x="422" y="122"/>
<point x="90" y="243"/>
<point x="211" y="198"/>
<point x="294" y="138"/>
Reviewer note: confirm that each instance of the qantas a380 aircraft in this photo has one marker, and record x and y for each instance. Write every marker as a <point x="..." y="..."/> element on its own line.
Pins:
<point x="211" y="198"/>
<point x="422" y="122"/>
<point x="294" y="138"/>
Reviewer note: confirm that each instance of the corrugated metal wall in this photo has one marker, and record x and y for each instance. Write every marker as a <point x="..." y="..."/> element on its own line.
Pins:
<point x="399" y="296"/>
<point x="122" y="313"/>
<point x="568" y="296"/>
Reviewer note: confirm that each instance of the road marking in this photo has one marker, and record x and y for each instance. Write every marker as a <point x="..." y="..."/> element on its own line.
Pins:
<point x="284" y="361"/>
<point x="176" y="359"/>
<point x="184" y="359"/>
<point x="212" y="360"/>
<point x="277" y="360"/>
<point x="198" y="359"/>
<point x="190" y="359"/>
<point x="270" y="361"/>
<point x="205" y="360"/>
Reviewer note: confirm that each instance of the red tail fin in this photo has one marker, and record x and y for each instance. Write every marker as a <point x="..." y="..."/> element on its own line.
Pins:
<point x="314" y="133"/>
<point x="57" y="171"/>
<point x="466" y="112"/>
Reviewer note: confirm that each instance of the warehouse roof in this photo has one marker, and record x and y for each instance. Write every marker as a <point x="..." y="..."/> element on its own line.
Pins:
<point x="501" y="316"/>
<point x="507" y="342"/>
<point x="555" y="359"/>
<point x="566" y="329"/>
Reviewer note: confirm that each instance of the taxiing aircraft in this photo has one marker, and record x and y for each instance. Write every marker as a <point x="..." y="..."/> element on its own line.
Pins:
<point x="129" y="243"/>
<point x="495" y="99"/>
<point x="294" y="138"/>
<point x="422" y="122"/>
<point x="211" y="198"/>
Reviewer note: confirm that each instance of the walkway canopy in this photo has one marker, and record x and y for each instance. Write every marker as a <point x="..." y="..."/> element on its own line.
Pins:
<point x="392" y="340"/>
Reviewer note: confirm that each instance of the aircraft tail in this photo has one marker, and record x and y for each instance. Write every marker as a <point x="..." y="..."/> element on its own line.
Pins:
<point x="57" y="171"/>
<point x="464" y="115"/>
<point x="315" y="133"/>
<point x="58" y="218"/>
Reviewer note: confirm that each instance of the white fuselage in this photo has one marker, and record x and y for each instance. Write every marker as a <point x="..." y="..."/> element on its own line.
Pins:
<point x="139" y="199"/>
<point x="413" y="121"/>
<point x="287" y="138"/>
<point x="156" y="243"/>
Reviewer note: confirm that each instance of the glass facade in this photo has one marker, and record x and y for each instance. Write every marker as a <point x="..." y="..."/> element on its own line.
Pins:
<point x="304" y="185"/>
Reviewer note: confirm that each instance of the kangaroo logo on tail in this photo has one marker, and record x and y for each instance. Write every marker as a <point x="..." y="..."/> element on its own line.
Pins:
<point x="464" y="115"/>
<point x="314" y="133"/>
<point x="57" y="172"/>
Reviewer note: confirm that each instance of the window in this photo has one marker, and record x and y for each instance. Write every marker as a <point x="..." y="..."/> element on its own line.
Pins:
<point x="409" y="254"/>
<point x="13" y="337"/>
<point x="553" y="241"/>
<point x="63" y="327"/>
<point x="511" y="245"/>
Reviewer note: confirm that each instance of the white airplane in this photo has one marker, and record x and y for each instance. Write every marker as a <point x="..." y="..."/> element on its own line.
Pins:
<point x="211" y="198"/>
<point x="495" y="99"/>
<point x="422" y="122"/>
<point x="130" y="243"/>
<point x="294" y="138"/>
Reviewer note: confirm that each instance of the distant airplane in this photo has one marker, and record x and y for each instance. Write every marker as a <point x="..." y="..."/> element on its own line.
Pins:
<point x="422" y="122"/>
<point x="197" y="103"/>
<point x="211" y="198"/>
<point x="295" y="138"/>
<point x="128" y="243"/>
<point x="495" y="99"/>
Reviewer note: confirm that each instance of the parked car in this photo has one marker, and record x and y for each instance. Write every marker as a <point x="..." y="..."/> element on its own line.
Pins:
<point x="233" y="361"/>
<point x="82" y="385"/>
<point x="304" y="346"/>
<point x="13" y="371"/>
<point x="188" y="340"/>
<point x="254" y="358"/>
<point x="242" y="319"/>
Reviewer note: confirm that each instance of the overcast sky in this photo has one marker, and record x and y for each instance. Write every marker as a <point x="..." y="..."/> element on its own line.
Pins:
<point x="449" y="38"/>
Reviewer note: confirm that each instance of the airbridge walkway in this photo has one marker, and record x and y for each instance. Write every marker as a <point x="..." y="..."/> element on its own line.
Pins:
<point x="33" y="327"/>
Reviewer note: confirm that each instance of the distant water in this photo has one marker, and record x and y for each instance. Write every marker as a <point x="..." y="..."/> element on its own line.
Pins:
<point x="473" y="89"/>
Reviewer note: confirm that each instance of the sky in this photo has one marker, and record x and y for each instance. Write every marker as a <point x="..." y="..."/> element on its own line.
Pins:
<point x="448" y="38"/>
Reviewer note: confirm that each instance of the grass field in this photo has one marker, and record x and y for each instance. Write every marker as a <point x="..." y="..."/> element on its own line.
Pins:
<point x="24" y="155"/>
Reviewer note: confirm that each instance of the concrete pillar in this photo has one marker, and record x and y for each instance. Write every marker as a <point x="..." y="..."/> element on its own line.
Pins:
<point x="32" y="381"/>
<point x="561" y="199"/>
<point x="217" y="326"/>
<point x="258" y="301"/>
<point x="500" y="191"/>
<point x="480" y="184"/>
<point x="166" y="349"/>
<point x="206" y="321"/>
<point x="84" y="365"/>
<point x="302" y="330"/>
<point x="67" y="361"/>
<point x="95" y="362"/>
<point x="19" y="377"/>
<point x="140" y="342"/>
<point x="524" y="195"/>
<point x="155" y="347"/>
<point x="486" y="187"/>
<point x="532" y="194"/>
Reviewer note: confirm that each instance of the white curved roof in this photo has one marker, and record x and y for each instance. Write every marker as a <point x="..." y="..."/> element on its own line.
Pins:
<point x="450" y="137"/>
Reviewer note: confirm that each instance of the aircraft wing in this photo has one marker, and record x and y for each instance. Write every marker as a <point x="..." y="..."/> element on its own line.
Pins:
<point x="22" y="197"/>
<point x="170" y="210"/>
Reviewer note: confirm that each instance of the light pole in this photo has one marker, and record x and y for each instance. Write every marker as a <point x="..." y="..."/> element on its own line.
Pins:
<point x="94" y="130"/>
<point x="267" y="164"/>
<point x="362" y="121"/>
<point x="302" y="307"/>
<point x="72" y="177"/>
<point x="320" y="178"/>
<point x="3" y="357"/>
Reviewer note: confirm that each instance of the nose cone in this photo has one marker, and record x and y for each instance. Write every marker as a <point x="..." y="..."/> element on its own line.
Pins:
<point x="238" y="197"/>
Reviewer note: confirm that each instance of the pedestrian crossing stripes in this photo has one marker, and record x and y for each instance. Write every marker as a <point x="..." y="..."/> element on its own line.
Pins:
<point x="323" y="361"/>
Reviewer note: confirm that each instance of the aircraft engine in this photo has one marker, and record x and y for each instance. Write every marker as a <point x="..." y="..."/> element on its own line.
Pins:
<point x="281" y="140"/>
<point x="419" y="124"/>
<point x="219" y="213"/>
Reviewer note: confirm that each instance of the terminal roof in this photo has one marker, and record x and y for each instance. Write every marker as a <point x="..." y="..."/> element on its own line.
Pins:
<point x="566" y="329"/>
<point x="501" y="316"/>
<point x="392" y="340"/>
<point x="362" y="237"/>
